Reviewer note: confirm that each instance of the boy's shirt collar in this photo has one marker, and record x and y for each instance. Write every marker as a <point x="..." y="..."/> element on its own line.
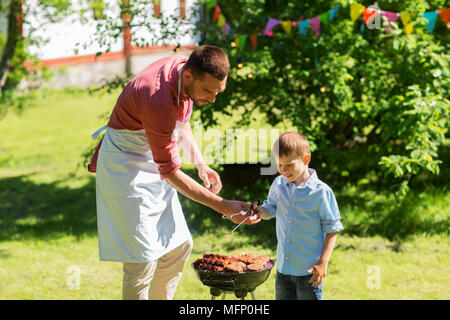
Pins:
<point x="311" y="182"/>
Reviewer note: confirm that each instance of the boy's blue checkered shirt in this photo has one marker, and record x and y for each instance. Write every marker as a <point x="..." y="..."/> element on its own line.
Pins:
<point x="304" y="215"/>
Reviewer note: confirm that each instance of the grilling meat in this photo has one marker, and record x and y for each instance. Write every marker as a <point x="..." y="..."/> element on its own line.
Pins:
<point x="235" y="266"/>
<point x="231" y="263"/>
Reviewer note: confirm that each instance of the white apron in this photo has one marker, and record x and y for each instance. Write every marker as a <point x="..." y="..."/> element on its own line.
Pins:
<point x="139" y="216"/>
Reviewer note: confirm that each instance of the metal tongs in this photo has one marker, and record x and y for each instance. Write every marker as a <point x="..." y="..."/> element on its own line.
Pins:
<point x="251" y="212"/>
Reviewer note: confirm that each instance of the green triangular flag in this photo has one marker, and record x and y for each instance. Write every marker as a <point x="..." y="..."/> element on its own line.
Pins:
<point x="211" y="4"/>
<point x="325" y="17"/>
<point x="242" y="42"/>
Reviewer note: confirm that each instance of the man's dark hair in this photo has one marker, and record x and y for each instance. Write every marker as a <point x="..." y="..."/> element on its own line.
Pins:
<point x="208" y="59"/>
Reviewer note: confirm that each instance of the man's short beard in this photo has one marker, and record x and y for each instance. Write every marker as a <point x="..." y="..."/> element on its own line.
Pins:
<point x="188" y="93"/>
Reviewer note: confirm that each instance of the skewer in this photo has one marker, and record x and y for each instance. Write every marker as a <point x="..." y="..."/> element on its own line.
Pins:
<point x="238" y="225"/>
<point x="251" y="212"/>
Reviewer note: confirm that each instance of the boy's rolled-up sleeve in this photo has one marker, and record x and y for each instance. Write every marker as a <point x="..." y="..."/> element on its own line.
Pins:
<point x="329" y="213"/>
<point x="270" y="204"/>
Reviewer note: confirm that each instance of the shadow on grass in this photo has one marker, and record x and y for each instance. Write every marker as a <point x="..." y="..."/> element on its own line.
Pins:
<point x="51" y="210"/>
<point x="45" y="211"/>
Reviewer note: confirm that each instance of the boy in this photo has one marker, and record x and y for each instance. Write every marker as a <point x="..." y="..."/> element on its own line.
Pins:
<point x="307" y="221"/>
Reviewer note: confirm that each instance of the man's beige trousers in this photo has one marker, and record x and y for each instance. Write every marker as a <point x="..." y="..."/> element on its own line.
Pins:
<point x="156" y="280"/>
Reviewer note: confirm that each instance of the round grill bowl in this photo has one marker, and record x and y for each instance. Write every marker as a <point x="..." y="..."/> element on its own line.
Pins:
<point x="233" y="281"/>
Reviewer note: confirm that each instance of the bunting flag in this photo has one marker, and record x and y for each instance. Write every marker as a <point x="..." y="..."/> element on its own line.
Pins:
<point x="356" y="10"/>
<point x="406" y="20"/>
<point x="270" y="24"/>
<point x="303" y="27"/>
<point x="211" y="4"/>
<point x="221" y="20"/>
<point x="333" y="11"/>
<point x="391" y="17"/>
<point x="287" y="26"/>
<point x="254" y="40"/>
<point x="295" y="23"/>
<point x="241" y="42"/>
<point x="431" y="16"/>
<point x="369" y="15"/>
<point x="226" y="29"/>
<point x="216" y="12"/>
<point x="315" y="25"/>
<point x="445" y="15"/>
<point x="325" y="17"/>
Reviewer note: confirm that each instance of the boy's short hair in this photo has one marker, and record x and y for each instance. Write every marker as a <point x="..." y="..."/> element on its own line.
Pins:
<point x="208" y="59"/>
<point x="291" y="143"/>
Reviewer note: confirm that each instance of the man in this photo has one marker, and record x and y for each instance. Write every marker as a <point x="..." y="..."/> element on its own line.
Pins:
<point x="139" y="217"/>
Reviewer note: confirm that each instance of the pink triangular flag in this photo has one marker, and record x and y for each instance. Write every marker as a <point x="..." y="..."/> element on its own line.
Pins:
<point x="391" y="17"/>
<point x="315" y="25"/>
<point x="270" y="24"/>
<point x="226" y="28"/>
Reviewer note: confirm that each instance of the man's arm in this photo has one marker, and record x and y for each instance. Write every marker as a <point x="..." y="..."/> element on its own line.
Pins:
<point x="194" y="191"/>
<point x="187" y="144"/>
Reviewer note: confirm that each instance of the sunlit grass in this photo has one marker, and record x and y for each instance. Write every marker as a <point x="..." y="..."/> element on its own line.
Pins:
<point x="48" y="236"/>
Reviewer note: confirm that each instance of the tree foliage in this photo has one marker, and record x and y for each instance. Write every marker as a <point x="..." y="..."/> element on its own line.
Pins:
<point x="371" y="103"/>
<point x="17" y="65"/>
<point x="374" y="105"/>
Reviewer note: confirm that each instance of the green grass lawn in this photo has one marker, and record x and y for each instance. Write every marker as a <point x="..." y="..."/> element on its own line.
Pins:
<point x="48" y="234"/>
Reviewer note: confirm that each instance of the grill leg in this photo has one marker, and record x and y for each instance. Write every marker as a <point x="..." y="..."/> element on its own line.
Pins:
<point x="215" y="293"/>
<point x="222" y="295"/>
<point x="240" y="294"/>
<point x="253" y="295"/>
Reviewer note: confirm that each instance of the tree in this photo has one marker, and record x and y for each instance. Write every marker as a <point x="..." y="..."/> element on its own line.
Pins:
<point x="16" y="65"/>
<point x="370" y="102"/>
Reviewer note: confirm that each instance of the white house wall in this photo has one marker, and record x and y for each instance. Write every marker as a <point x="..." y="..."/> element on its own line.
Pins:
<point x="63" y="37"/>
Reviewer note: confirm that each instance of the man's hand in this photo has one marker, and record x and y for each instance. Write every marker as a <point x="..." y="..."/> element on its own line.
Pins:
<point x="319" y="272"/>
<point x="235" y="211"/>
<point x="210" y="178"/>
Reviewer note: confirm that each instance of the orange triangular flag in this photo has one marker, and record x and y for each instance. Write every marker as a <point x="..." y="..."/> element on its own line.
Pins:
<point x="253" y="40"/>
<point x="216" y="12"/>
<point x="445" y="15"/>
<point x="369" y="12"/>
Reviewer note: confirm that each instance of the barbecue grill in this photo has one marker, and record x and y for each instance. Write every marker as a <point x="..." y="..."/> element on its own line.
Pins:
<point x="221" y="283"/>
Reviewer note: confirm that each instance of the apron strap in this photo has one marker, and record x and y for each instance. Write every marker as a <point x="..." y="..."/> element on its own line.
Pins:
<point x="97" y="133"/>
<point x="92" y="166"/>
<point x="179" y="85"/>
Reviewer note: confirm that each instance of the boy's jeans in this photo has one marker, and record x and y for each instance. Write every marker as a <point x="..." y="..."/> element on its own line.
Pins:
<point x="296" y="288"/>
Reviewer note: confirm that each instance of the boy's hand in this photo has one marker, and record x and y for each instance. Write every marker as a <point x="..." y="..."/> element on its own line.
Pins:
<point x="319" y="272"/>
